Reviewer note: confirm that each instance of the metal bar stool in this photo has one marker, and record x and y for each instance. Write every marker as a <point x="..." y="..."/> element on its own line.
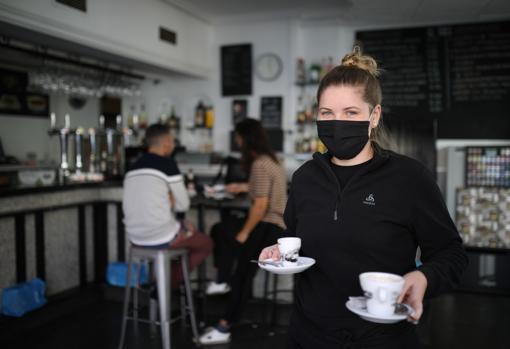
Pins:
<point x="161" y="259"/>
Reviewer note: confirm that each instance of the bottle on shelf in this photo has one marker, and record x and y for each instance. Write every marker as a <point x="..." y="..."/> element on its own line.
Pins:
<point x="300" y="117"/>
<point x="143" y="117"/>
<point x="209" y="117"/>
<point x="163" y="116"/>
<point x="300" y="71"/>
<point x="131" y="117"/>
<point x="200" y="115"/>
<point x="314" y="73"/>
<point x="309" y="109"/>
<point x="173" y="120"/>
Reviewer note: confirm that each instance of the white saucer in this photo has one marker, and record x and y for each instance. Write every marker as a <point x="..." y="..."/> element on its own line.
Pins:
<point x="303" y="263"/>
<point x="218" y="195"/>
<point x="358" y="305"/>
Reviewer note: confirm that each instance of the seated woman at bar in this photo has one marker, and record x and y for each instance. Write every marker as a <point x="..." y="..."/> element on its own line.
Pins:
<point x="267" y="189"/>
<point x="153" y="194"/>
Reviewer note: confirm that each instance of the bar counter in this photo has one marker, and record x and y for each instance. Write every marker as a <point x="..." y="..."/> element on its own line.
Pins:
<point x="65" y="234"/>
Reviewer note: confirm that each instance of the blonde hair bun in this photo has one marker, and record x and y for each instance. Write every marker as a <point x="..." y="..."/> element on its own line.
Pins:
<point x="357" y="59"/>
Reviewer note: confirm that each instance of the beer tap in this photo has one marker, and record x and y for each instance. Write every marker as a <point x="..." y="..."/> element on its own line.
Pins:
<point x="93" y="150"/>
<point x="78" y="136"/>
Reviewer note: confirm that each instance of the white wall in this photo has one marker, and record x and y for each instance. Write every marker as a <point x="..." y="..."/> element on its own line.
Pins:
<point x="128" y="28"/>
<point x="288" y="39"/>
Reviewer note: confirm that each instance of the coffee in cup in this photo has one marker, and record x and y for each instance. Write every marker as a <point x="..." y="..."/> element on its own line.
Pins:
<point x="382" y="291"/>
<point x="289" y="250"/>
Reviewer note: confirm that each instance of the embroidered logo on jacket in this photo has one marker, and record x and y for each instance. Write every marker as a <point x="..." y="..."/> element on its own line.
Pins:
<point x="369" y="200"/>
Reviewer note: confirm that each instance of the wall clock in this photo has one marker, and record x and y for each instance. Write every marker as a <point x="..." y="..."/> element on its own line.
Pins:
<point x="268" y="67"/>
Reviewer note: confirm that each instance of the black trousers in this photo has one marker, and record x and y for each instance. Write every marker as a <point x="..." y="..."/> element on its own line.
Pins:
<point x="226" y="247"/>
<point x="306" y="334"/>
<point x="264" y="234"/>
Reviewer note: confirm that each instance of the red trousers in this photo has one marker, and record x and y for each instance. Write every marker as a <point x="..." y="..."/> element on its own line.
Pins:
<point x="198" y="244"/>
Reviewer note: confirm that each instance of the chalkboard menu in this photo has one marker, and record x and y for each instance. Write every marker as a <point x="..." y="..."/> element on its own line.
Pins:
<point x="456" y="74"/>
<point x="271" y="112"/>
<point x="236" y="70"/>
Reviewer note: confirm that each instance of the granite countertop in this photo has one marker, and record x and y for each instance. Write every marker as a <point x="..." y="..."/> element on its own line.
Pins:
<point x="24" y="190"/>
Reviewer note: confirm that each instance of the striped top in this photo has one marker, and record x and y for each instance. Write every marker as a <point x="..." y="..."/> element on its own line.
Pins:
<point x="268" y="179"/>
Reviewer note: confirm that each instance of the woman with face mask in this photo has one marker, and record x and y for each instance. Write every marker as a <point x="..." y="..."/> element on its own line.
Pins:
<point x="360" y="208"/>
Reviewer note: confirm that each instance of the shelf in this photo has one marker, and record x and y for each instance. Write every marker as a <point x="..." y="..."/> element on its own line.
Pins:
<point x="308" y="83"/>
<point x="195" y="128"/>
<point x="480" y="249"/>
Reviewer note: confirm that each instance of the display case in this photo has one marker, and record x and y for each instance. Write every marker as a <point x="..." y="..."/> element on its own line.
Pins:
<point x="483" y="217"/>
<point x="488" y="166"/>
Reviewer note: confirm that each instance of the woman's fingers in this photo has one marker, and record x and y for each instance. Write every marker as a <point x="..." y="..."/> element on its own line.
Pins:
<point x="404" y="292"/>
<point x="418" y="311"/>
<point x="413" y="292"/>
<point x="270" y="252"/>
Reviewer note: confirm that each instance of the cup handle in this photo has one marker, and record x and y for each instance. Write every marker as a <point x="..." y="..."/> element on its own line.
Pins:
<point x="382" y="295"/>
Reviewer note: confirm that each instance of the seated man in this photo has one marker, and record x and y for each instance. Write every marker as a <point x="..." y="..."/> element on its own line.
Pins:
<point x="154" y="193"/>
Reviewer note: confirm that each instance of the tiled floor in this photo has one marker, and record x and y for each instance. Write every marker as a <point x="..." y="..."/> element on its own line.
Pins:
<point x="453" y="321"/>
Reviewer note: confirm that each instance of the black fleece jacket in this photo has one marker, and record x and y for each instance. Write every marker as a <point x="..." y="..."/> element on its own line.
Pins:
<point x="387" y="209"/>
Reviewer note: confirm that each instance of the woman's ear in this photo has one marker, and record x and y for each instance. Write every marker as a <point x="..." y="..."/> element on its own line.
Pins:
<point x="376" y="116"/>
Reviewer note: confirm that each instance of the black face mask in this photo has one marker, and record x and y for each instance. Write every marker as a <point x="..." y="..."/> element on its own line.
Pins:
<point x="344" y="139"/>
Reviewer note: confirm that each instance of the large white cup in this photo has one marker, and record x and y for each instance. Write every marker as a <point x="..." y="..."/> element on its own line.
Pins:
<point x="289" y="250"/>
<point x="382" y="291"/>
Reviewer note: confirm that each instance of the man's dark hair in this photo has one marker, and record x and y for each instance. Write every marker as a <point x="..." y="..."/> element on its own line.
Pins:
<point x="154" y="133"/>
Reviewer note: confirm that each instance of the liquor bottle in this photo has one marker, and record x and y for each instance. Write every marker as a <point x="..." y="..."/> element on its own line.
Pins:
<point x="300" y="71"/>
<point x="301" y="117"/>
<point x="163" y="116"/>
<point x="309" y="109"/>
<point x="209" y="117"/>
<point x="143" y="116"/>
<point x="200" y="115"/>
<point x="314" y="74"/>
<point x="172" y="120"/>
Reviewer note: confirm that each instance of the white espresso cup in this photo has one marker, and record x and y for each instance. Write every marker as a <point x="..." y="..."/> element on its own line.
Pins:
<point x="382" y="291"/>
<point x="289" y="250"/>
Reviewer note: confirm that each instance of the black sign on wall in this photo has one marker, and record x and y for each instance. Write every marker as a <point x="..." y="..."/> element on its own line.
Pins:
<point x="458" y="75"/>
<point x="16" y="100"/>
<point x="271" y="112"/>
<point x="236" y="70"/>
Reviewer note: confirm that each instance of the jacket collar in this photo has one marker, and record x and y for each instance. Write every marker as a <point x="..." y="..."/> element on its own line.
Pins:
<point x="379" y="159"/>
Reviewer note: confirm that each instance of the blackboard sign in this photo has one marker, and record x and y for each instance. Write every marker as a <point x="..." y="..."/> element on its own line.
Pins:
<point x="457" y="74"/>
<point x="239" y="110"/>
<point x="271" y="112"/>
<point x="236" y="70"/>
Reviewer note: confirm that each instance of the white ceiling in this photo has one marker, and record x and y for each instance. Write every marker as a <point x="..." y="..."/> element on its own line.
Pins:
<point x="357" y="12"/>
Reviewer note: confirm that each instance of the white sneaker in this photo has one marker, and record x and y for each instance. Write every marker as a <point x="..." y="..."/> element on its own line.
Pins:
<point x="212" y="336"/>
<point x="215" y="288"/>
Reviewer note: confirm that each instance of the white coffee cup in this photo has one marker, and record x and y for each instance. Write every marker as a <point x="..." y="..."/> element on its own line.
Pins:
<point x="382" y="291"/>
<point x="289" y="250"/>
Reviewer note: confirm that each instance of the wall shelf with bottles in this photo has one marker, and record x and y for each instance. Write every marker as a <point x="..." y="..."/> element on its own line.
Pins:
<point x="308" y="76"/>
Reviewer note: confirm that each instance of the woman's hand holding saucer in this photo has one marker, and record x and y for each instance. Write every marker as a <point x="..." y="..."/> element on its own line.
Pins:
<point x="415" y="285"/>
<point x="271" y="252"/>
